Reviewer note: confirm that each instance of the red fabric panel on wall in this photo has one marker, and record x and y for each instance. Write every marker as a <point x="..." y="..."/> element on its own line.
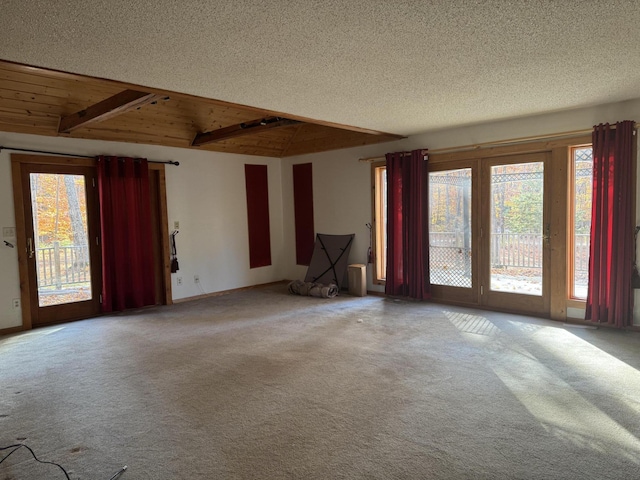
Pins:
<point x="258" y="215"/>
<point x="303" y="212"/>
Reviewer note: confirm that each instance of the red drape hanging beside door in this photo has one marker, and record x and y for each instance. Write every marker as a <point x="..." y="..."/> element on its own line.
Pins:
<point x="125" y="220"/>
<point x="609" y="295"/>
<point x="407" y="225"/>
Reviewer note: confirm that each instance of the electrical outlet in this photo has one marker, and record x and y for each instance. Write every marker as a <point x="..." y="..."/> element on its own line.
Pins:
<point x="8" y="232"/>
<point x="196" y="278"/>
<point x="176" y="225"/>
<point x="16" y="303"/>
<point x="178" y="280"/>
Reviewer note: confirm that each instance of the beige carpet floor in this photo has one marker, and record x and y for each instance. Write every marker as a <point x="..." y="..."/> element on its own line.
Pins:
<point x="260" y="384"/>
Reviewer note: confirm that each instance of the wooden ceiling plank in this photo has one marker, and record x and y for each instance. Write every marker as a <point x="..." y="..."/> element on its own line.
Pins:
<point x="97" y="132"/>
<point x="29" y="107"/>
<point x="130" y="132"/>
<point x="138" y="137"/>
<point x="24" y="119"/>
<point x="32" y="100"/>
<point x="80" y="88"/>
<point x="170" y="114"/>
<point x="108" y="108"/>
<point x="241" y="129"/>
<point x="33" y="130"/>
<point x="291" y="140"/>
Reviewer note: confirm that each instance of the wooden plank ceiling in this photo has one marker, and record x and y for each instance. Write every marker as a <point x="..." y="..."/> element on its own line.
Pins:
<point x="45" y="102"/>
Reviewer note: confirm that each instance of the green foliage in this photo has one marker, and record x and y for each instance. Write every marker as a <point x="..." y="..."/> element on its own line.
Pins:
<point x="523" y="213"/>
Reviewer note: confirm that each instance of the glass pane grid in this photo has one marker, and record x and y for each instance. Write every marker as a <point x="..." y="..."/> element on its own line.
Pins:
<point x="517" y="228"/>
<point x="450" y="228"/>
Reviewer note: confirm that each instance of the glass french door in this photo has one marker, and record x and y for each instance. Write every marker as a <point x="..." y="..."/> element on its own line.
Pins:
<point x="61" y="251"/>
<point x="453" y="254"/>
<point x="489" y="233"/>
<point x="515" y="234"/>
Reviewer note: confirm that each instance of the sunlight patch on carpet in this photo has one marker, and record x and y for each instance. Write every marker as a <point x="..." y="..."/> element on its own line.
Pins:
<point x="562" y="411"/>
<point x="469" y="323"/>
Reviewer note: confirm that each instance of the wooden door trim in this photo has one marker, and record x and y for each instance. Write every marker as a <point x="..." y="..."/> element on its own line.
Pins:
<point x="164" y="232"/>
<point x="558" y="221"/>
<point x="21" y="241"/>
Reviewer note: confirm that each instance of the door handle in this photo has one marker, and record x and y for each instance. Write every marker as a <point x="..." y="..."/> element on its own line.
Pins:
<point x="547" y="234"/>
<point x="30" y="250"/>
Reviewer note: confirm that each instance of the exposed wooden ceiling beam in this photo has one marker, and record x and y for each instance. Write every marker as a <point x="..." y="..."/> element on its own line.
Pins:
<point x="242" y="129"/>
<point x="116" y="105"/>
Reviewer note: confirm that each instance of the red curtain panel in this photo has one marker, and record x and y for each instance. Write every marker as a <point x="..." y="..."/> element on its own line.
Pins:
<point x="303" y="212"/>
<point x="610" y="295"/>
<point x="125" y="219"/>
<point x="407" y="225"/>
<point x="257" y="186"/>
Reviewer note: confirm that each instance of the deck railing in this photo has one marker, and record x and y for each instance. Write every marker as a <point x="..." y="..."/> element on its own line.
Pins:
<point x="520" y="250"/>
<point x="59" y="266"/>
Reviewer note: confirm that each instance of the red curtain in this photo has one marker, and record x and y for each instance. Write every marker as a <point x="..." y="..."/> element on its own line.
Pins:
<point x="125" y="219"/>
<point x="610" y="295"/>
<point x="407" y="225"/>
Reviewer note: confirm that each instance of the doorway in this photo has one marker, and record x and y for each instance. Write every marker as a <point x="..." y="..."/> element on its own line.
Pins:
<point x="489" y="232"/>
<point x="515" y="234"/>
<point x="58" y="237"/>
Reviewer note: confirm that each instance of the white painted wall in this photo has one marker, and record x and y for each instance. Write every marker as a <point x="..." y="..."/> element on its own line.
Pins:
<point x="206" y="194"/>
<point x="341" y="201"/>
<point x="342" y="195"/>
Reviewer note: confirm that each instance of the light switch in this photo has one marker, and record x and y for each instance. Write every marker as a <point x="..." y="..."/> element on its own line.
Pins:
<point x="8" y="232"/>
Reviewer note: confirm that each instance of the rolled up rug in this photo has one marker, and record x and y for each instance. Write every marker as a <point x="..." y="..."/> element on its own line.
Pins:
<point x="312" y="289"/>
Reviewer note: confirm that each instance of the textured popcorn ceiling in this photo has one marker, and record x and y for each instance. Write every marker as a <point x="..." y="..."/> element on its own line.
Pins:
<point x="396" y="66"/>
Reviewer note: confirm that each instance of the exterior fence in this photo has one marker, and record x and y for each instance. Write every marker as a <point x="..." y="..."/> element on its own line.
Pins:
<point x="61" y="266"/>
<point x="519" y="250"/>
<point x="69" y="265"/>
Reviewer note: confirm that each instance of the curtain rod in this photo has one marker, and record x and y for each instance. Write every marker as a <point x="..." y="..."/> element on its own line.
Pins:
<point x="30" y="150"/>
<point x="501" y="143"/>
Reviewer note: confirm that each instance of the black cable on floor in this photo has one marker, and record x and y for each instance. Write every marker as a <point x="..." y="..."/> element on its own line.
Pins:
<point x="17" y="446"/>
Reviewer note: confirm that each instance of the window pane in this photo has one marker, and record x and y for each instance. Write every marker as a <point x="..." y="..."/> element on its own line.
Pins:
<point x="450" y="228"/>
<point x="61" y="243"/>
<point x="380" y="255"/>
<point x="582" y="194"/>
<point x="516" y="228"/>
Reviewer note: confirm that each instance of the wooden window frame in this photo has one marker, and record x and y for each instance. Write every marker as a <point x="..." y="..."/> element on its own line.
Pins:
<point x="571" y="299"/>
<point x="378" y="243"/>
